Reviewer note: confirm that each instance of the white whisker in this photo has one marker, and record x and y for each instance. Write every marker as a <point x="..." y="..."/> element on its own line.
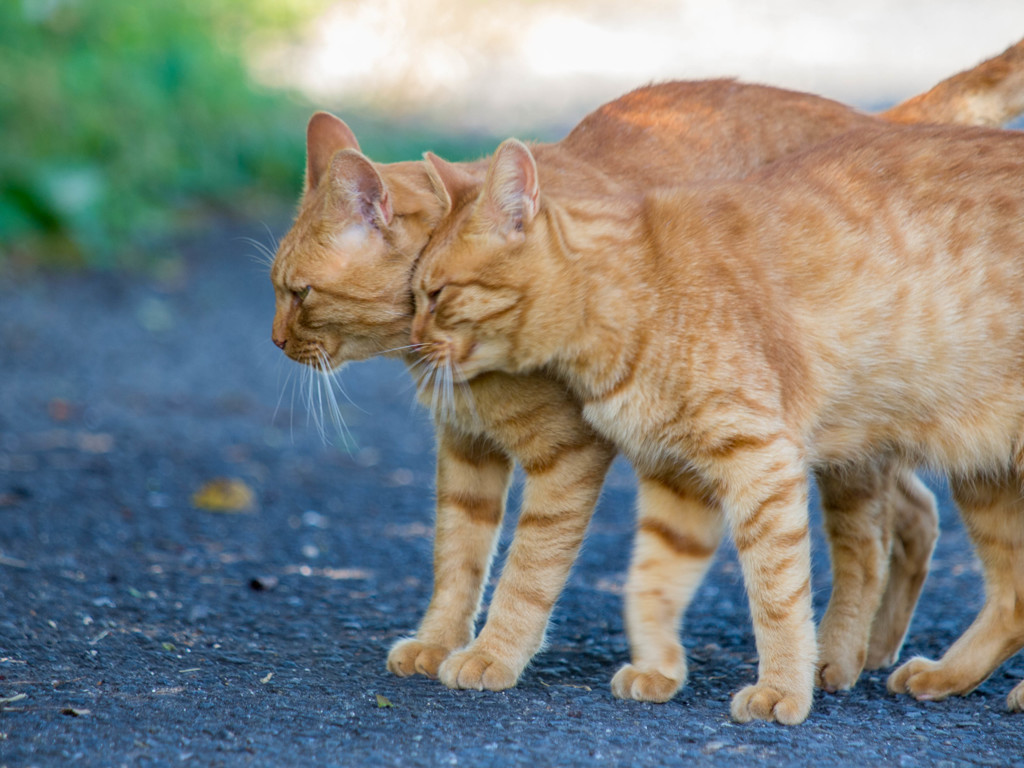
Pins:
<point x="442" y="376"/>
<point x="323" y="394"/>
<point x="273" y="239"/>
<point x="330" y="379"/>
<point x="400" y="349"/>
<point x="420" y="379"/>
<point x="291" y="412"/>
<point x="422" y="376"/>
<point x="318" y="412"/>
<point x="449" y="393"/>
<point x="418" y="366"/>
<point x="414" y="374"/>
<point x="433" y="392"/>
<point x="264" y="256"/>
<point x="314" y="409"/>
<point x="309" y="377"/>
<point x="419" y="371"/>
<point x="333" y="374"/>
<point x="280" y="397"/>
<point x="467" y="395"/>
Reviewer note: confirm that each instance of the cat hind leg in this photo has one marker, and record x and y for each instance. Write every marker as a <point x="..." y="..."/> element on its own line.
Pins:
<point x="915" y="533"/>
<point x="882" y="525"/>
<point x="858" y="526"/>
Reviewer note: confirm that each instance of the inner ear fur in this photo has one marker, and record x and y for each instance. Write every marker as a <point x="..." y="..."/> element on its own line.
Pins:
<point x="451" y="183"/>
<point x="511" y="193"/>
<point x="357" y="185"/>
<point x="325" y="135"/>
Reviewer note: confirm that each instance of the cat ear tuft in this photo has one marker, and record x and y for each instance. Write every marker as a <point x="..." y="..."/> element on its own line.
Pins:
<point x="325" y="135"/>
<point x="511" y="194"/>
<point x="357" y="185"/>
<point x="450" y="181"/>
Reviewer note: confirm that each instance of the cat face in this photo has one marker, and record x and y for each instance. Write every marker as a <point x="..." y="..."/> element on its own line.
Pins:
<point x="466" y="325"/>
<point x="472" y="288"/>
<point x="341" y="274"/>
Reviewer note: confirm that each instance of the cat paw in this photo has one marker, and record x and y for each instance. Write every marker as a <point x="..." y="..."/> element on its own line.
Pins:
<point x="886" y="641"/>
<point x="1015" y="701"/>
<point x="837" y="674"/>
<point x="477" y="670"/>
<point x="633" y="683"/>
<point x="764" y="702"/>
<point x="411" y="657"/>
<point x="882" y="658"/>
<point x="921" y="678"/>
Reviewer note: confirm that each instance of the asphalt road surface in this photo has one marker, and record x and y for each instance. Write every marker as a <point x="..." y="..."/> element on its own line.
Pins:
<point x="146" y="621"/>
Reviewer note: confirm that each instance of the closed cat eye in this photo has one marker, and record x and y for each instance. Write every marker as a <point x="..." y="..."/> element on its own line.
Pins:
<point x="432" y="297"/>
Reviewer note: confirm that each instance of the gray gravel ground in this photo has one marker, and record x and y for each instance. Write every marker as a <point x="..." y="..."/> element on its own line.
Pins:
<point x="138" y="629"/>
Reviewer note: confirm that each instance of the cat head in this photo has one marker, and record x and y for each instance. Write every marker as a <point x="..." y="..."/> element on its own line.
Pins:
<point x="341" y="274"/>
<point x="481" y="286"/>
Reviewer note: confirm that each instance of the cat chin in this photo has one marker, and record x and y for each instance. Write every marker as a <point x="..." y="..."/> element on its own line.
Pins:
<point x="480" y="360"/>
<point x="467" y="371"/>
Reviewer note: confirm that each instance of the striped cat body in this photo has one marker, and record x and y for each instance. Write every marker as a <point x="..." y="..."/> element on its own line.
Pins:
<point x="341" y="277"/>
<point x="853" y="309"/>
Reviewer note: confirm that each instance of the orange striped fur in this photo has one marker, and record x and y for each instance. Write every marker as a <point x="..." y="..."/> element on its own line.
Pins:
<point x="359" y="229"/>
<point x="851" y="311"/>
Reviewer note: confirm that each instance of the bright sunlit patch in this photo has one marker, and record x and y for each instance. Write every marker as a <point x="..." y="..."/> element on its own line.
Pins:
<point x="560" y="44"/>
<point x="488" y="63"/>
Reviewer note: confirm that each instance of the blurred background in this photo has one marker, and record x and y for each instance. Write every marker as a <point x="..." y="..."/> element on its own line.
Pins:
<point x="125" y="124"/>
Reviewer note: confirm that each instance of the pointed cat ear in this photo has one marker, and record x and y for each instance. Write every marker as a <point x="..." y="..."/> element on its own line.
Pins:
<point x="325" y="135"/>
<point x="450" y="182"/>
<point x="357" y="185"/>
<point x="511" y="194"/>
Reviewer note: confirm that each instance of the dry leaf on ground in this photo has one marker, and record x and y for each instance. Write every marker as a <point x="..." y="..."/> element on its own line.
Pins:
<point x="225" y="494"/>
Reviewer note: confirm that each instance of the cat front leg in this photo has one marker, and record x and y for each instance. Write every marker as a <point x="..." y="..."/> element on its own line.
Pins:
<point x="472" y="482"/>
<point x="678" y="532"/>
<point x="763" y="487"/>
<point x="562" y="486"/>
<point x="992" y="510"/>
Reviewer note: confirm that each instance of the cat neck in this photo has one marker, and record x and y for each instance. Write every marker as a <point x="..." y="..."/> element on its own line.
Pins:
<point x="600" y="294"/>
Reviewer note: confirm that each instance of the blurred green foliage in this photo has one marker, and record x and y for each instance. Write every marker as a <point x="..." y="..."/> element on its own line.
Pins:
<point x="119" y="117"/>
<point x="121" y="121"/>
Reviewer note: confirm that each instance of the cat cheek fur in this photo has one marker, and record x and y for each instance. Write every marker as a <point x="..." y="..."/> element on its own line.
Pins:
<point x="457" y="331"/>
<point x="446" y="349"/>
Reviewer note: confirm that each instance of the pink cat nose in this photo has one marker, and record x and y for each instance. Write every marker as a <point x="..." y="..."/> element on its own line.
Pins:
<point x="279" y="342"/>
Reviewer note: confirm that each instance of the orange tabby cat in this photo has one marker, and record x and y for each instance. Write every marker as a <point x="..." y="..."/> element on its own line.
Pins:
<point x="986" y="95"/>
<point x="341" y="277"/>
<point x="853" y="308"/>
